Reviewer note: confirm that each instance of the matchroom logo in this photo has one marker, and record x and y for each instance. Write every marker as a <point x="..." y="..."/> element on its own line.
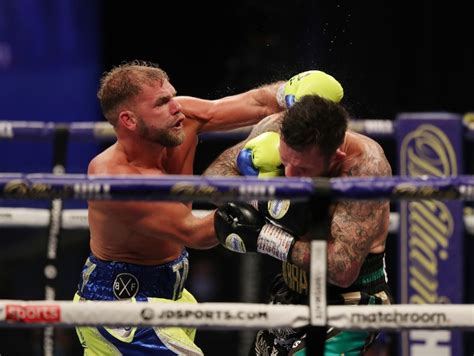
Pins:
<point x="401" y="319"/>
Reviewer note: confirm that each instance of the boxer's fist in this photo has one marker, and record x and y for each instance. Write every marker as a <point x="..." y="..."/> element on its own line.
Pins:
<point x="241" y="228"/>
<point x="295" y="217"/>
<point x="312" y="82"/>
<point x="260" y="156"/>
<point x="237" y="226"/>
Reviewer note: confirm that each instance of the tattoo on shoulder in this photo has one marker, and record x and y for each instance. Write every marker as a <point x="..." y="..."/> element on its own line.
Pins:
<point x="225" y="164"/>
<point x="356" y="224"/>
<point x="374" y="163"/>
<point x="270" y="123"/>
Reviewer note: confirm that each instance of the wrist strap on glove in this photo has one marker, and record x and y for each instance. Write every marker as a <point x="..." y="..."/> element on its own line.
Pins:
<point x="280" y="96"/>
<point x="275" y="242"/>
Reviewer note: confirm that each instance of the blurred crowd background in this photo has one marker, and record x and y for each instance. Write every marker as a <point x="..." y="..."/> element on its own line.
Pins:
<point x="391" y="57"/>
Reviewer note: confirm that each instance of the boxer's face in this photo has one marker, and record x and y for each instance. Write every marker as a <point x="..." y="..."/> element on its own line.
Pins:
<point x="159" y="117"/>
<point x="309" y="162"/>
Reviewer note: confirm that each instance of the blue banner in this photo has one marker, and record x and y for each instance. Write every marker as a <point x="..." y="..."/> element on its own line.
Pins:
<point x="50" y="64"/>
<point x="431" y="231"/>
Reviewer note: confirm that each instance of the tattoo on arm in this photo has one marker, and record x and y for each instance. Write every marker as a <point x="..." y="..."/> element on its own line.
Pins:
<point x="270" y="123"/>
<point x="300" y="254"/>
<point x="225" y="164"/>
<point x="356" y="225"/>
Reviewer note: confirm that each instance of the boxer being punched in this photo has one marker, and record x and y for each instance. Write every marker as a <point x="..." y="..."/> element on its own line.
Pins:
<point x="311" y="140"/>
<point x="138" y="249"/>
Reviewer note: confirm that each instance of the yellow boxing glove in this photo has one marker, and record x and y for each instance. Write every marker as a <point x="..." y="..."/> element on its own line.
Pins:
<point x="260" y="156"/>
<point x="312" y="82"/>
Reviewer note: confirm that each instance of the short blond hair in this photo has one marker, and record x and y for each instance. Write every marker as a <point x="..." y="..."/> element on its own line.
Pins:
<point x="125" y="82"/>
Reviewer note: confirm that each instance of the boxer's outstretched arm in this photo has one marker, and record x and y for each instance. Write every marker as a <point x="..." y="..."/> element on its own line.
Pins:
<point x="161" y="220"/>
<point x="250" y="107"/>
<point x="165" y="221"/>
<point x="232" y="111"/>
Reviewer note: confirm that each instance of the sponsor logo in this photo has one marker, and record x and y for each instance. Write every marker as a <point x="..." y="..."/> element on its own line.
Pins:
<point x="278" y="208"/>
<point x="430" y="342"/>
<point x="91" y="190"/>
<point x="432" y="319"/>
<point x="427" y="226"/>
<point x="234" y="243"/>
<point x="148" y="314"/>
<point x="409" y="190"/>
<point x="33" y="313"/>
<point x="427" y="151"/>
<point x="254" y="190"/>
<point x="125" y="286"/>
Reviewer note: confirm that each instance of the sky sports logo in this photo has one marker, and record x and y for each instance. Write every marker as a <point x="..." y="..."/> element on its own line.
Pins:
<point x="32" y="313"/>
<point x="400" y="318"/>
<point x="148" y="314"/>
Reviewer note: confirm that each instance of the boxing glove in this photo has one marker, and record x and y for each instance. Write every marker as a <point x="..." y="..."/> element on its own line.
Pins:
<point x="261" y="157"/>
<point x="295" y="217"/>
<point x="241" y="228"/>
<point x="312" y="82"/>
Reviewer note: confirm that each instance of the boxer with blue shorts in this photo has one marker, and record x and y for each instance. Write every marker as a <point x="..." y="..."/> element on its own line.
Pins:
<point x="138" y="247"/>
<point x="108" y="280"/>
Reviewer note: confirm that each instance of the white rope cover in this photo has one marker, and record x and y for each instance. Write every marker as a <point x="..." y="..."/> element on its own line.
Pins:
<point x="231" y="315"/>
<point x="77" y="218"/>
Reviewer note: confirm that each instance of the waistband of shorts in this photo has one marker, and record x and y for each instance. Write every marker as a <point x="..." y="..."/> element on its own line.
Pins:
<point x="113" y="280"/>
<point x="372" y="276"/>
<point x="372" y="272"/>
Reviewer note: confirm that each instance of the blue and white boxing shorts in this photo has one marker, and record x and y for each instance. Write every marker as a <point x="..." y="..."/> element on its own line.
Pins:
<point x="110" y="280"/>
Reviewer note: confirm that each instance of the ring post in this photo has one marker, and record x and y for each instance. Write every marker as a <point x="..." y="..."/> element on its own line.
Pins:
<point x="317" y="298"/>
<point x="60" y="144"/>
<point x="431" y="231"/>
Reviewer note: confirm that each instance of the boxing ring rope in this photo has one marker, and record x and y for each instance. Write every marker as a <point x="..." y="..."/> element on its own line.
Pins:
<point x="228" y="315"/>
<point x="17" y="313"/>
<point x="30" y="314"/>
<point x="72" y="219"/>
<point x="103" y="131"/>
<point x="221" y="189"/>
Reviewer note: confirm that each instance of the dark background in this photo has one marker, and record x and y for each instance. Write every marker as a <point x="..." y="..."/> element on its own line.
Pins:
<point x="390" y="57"/>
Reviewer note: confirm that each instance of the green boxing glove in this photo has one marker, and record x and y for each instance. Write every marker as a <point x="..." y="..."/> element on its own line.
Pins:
<point x="261" y="157"/>
<point x="312" y="82"/>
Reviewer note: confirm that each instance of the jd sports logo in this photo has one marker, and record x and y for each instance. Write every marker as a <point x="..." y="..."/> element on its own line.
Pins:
<point x="125" y="286"/>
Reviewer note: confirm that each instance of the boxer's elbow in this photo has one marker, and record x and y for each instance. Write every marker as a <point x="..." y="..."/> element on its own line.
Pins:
<point x="204" y="244"/>
<point x="343" y="276"/>
<point x="341" y="280"/>
<point x="200" y="233"/>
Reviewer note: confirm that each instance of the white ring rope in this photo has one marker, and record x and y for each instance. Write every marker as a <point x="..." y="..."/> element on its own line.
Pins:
<point x="232" y="315"/>
<point x="102" y="130"/>
<point x="77" y="218"/>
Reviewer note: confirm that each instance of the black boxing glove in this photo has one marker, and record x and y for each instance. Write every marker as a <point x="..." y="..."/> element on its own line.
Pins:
<point x="241" y="228"/>
<point x="296" y="217"/>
